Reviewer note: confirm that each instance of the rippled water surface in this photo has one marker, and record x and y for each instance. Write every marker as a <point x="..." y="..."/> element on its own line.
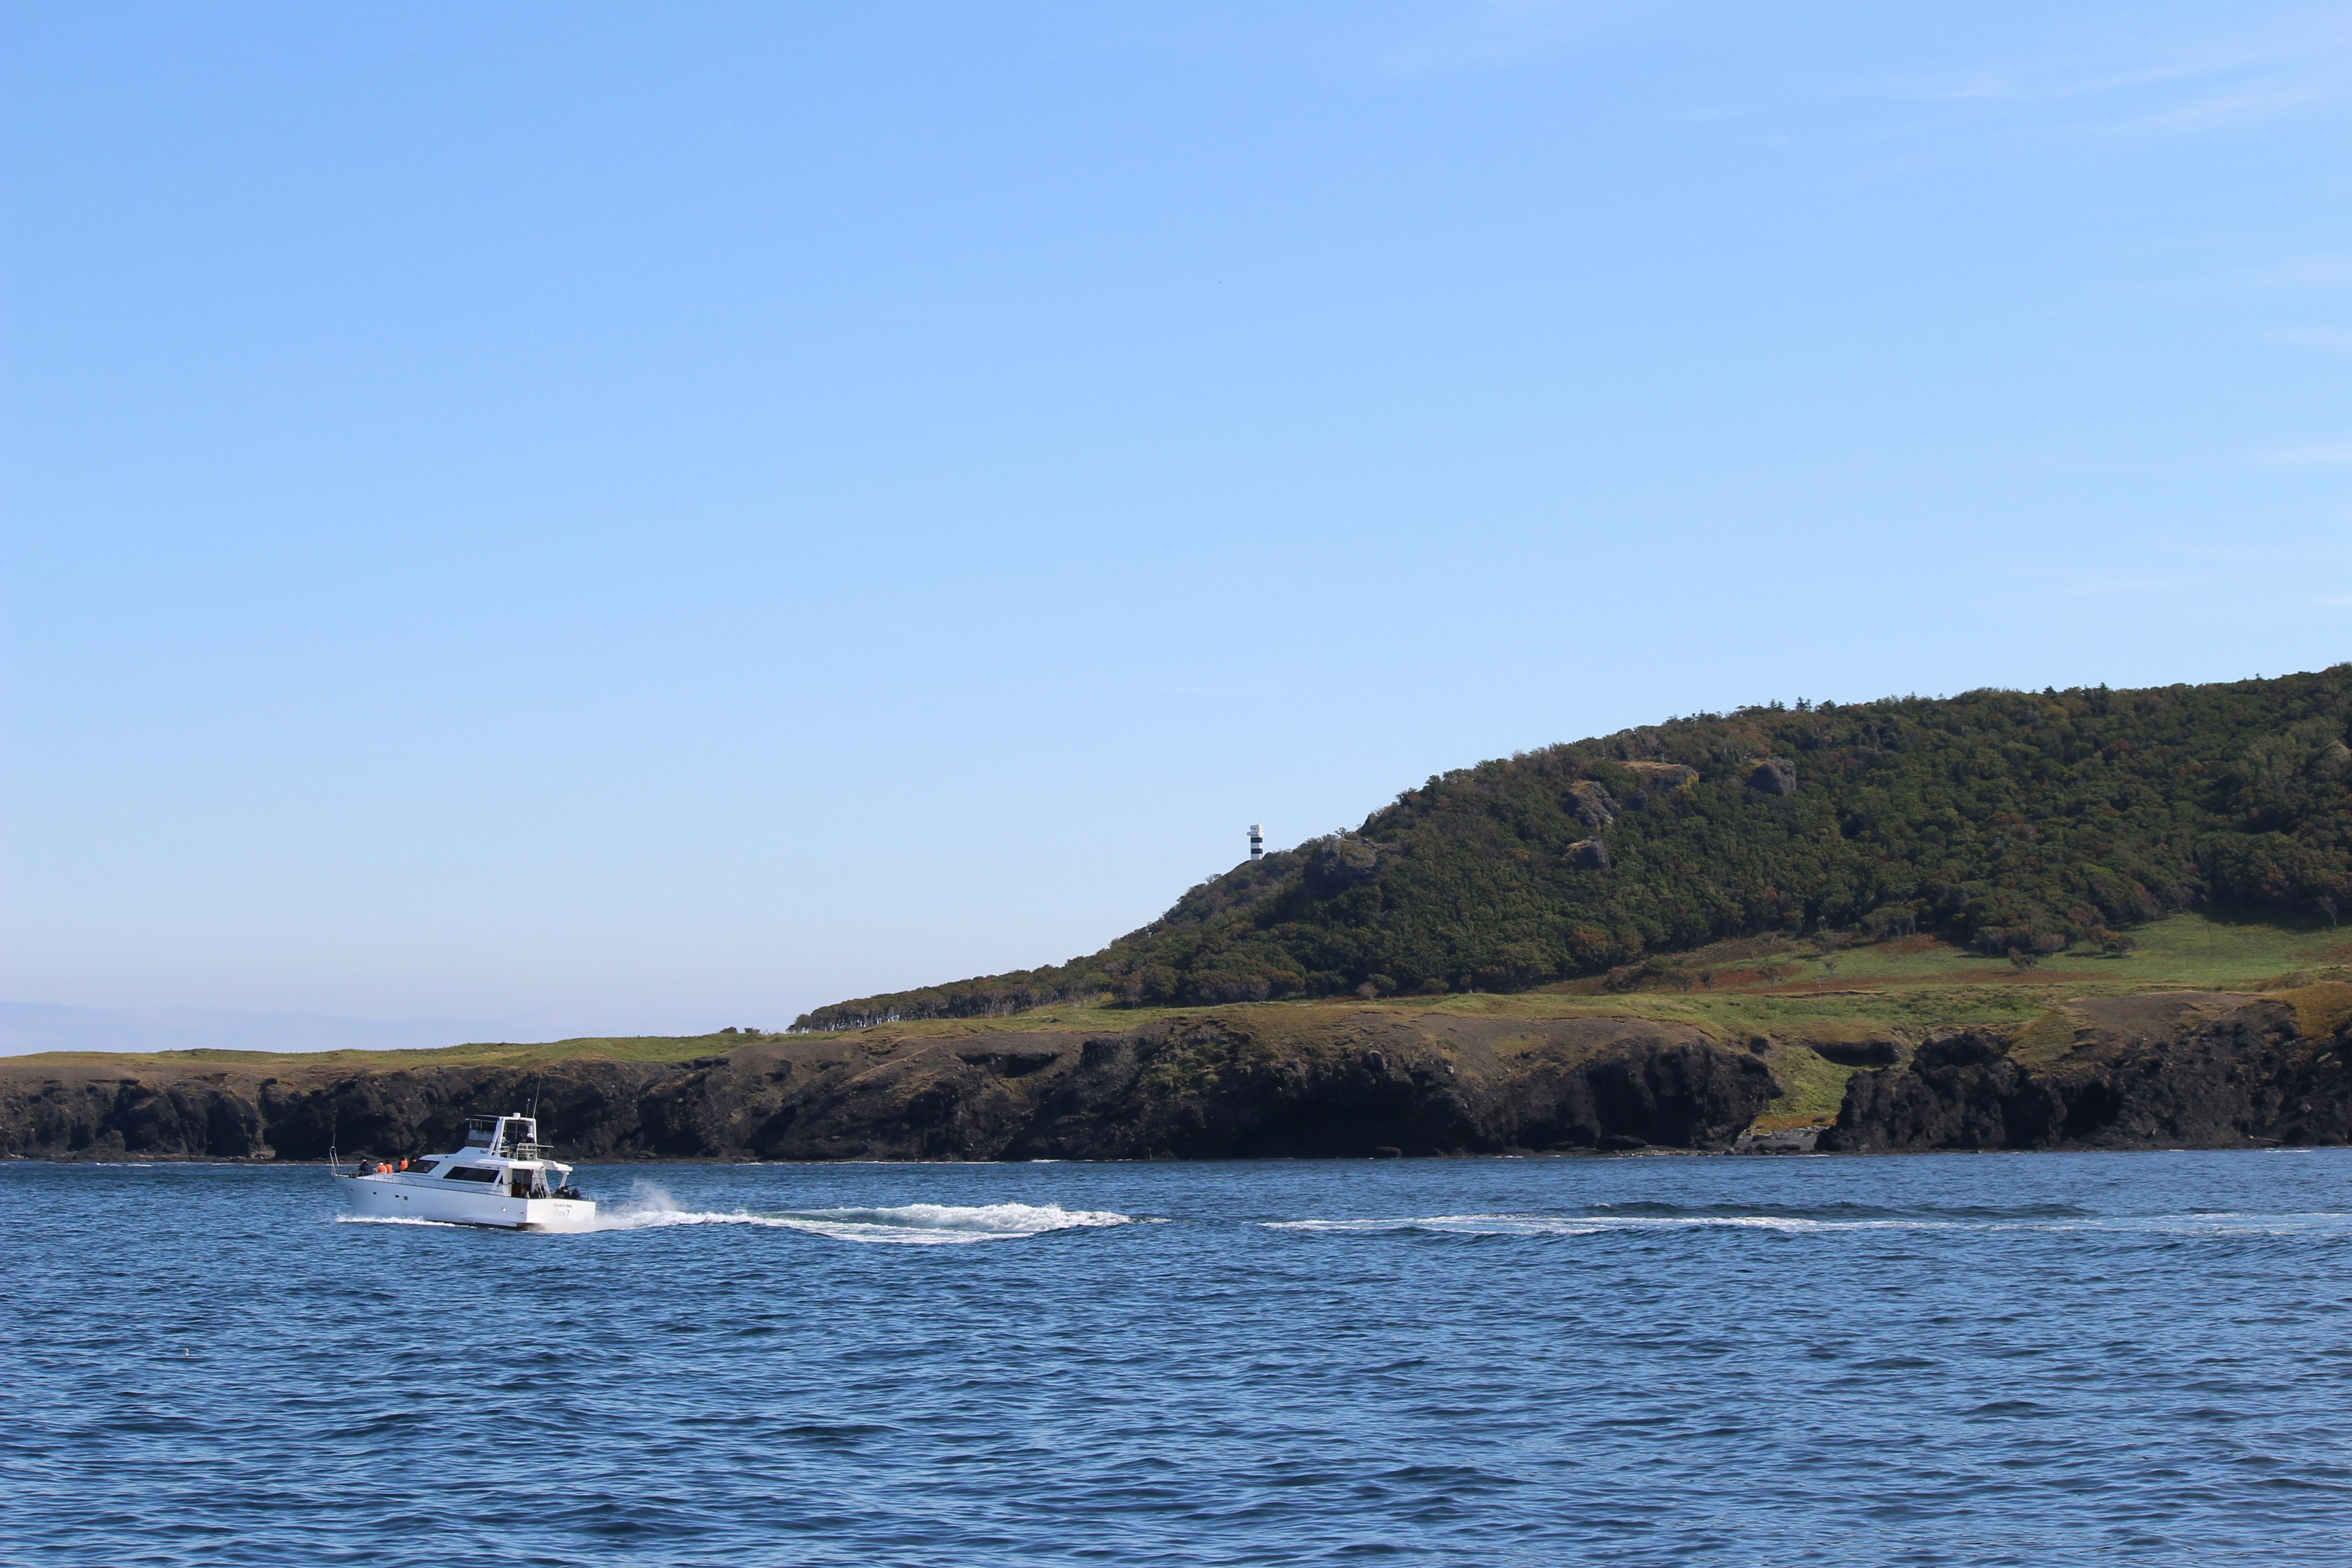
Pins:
<point x="2027" y="1359"/>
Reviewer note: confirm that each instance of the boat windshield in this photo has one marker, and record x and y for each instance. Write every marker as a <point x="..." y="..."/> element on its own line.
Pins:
<point x="510" y="1137"/>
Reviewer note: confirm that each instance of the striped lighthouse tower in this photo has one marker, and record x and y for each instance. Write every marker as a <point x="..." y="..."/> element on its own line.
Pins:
<point x="1258" y="841"/>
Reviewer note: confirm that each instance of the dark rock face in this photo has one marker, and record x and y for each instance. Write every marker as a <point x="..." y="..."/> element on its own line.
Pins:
<point x="192" y="1117"/>
<point x="2172" y="1071"/>
<point x="1774" y="775"/>
<point x="1589" y="855"/>
<point x="1210" y="1086"/>
<point x="1593" y="806"/>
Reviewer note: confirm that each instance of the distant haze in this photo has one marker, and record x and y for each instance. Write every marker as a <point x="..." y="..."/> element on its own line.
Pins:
<point x="33" y="1027"/>
<point x="661" y="517"/>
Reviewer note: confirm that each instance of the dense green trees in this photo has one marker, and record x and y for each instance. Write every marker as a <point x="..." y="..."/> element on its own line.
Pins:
<point x="2025" y="822"/>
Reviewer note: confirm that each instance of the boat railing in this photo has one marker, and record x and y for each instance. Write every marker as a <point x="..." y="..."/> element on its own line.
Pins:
<point x="530" y="1152"/>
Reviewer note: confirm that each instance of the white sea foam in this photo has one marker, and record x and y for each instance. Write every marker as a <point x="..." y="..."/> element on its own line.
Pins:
<point x="395" y="1219"/>
<point x="905" y="1225"/>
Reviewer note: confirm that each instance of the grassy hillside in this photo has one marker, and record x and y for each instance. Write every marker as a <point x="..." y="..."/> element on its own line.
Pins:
<point x="2013" y="823"/>
<point x="1781" y="986"/>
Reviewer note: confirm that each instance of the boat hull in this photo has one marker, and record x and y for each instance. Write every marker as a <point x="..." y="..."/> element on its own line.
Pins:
<point x="393" y="1197"/>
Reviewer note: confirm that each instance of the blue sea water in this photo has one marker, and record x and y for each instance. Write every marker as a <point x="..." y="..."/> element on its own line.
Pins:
<point x="2002" y="1359"/>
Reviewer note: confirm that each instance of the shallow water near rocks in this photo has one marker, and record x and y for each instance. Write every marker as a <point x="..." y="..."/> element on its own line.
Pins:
<point x="2002" y="1359"/>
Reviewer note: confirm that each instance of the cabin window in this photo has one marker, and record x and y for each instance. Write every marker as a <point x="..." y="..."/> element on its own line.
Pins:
<point x="470" y="1174"/>
<point x="422" y="1167"/>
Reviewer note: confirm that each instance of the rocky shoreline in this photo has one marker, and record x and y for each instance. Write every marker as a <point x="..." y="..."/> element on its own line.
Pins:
<point x="2179" y="1070"/>
<point x="2174" y="1070"/>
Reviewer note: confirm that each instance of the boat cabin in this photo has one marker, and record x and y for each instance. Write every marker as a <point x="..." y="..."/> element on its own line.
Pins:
<point x="505" y="1137"/>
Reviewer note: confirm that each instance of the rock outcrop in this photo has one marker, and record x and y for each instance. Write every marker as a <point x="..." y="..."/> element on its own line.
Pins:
<point x="1774" y="775"/>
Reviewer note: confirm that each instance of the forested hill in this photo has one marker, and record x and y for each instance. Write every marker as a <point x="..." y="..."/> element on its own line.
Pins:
<point x="2019" y="821"/>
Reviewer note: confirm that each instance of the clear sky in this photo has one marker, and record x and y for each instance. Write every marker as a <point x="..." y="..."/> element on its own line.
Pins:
<point x="649" y="517"/>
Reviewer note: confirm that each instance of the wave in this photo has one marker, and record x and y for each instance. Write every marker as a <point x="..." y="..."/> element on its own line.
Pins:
<point x="1842" y="1211"/>
<point x="1536" y="1225"/>
<point x="1597" y="1224"/>
<point x="397" y="1219"/>
<point x="905" y="1225"/>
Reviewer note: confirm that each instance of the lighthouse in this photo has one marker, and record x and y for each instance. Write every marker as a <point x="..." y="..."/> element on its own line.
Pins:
<point x="1258" y="841"/>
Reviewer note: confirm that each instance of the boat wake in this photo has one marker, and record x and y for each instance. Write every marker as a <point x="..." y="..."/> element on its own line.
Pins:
<point x="906" y="1224"/>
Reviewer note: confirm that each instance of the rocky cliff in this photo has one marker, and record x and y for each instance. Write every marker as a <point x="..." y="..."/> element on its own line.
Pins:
<point x="1253" y="1082"/>
<point x="2170" y="1069"/>
<point x="2178" y="1069"/>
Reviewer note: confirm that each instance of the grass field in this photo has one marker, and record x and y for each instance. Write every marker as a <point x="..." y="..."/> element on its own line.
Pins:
<point x="639" y="1049"/>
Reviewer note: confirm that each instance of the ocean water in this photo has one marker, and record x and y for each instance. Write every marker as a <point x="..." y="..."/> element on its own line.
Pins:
<point x="2001" y="1359"/>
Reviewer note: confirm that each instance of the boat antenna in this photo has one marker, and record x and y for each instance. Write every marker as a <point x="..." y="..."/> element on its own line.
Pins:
<point x="534" y="1098"/>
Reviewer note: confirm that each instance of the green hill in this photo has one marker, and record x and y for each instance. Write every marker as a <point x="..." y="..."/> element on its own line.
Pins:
<point x="2017" y="823"/>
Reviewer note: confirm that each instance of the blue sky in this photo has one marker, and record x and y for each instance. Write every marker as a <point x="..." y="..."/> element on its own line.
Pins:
<point x="591" y="517"/>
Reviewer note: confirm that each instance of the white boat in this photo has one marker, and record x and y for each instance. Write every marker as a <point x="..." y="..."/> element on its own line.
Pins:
<point x="502" y="1177"/>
